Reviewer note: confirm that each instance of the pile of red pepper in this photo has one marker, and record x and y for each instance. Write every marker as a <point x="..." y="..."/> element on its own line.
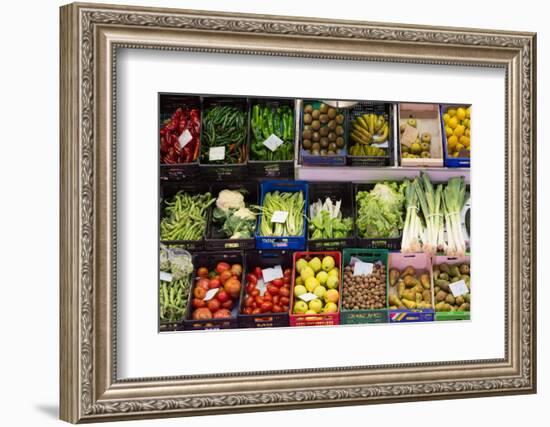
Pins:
<point x="170" y="148"/>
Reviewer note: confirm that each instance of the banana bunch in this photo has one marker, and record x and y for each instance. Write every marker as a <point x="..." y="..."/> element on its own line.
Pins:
<point x="368" y="129"/>
<point x="366" y="150"/>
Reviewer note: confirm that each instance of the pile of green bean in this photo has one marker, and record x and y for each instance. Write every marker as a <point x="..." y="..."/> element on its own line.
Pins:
<point x="185" y="216"/>
<point x="173" y="298"/>
<point x="224" y="125"/>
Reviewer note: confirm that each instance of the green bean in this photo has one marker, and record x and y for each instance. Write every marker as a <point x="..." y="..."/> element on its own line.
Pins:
<point x="185" y="216"/>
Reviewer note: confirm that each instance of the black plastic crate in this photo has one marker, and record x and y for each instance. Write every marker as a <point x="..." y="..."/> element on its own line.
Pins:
<point x="376" y="243"/>
<point x="368" y="107"/>
<point x="168" y="103"/>
<point x="264" y="259"/>
<point x="336" y="191"/>
<point x="209" y="260"/>
<point x="270" y="168"/>
<point x="167" y="190"/>
<point x="223" y="172"/>
<point x="214" y="239"/>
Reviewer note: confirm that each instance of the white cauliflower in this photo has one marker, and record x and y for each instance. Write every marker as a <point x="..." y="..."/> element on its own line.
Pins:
<point x="228" y="199"/>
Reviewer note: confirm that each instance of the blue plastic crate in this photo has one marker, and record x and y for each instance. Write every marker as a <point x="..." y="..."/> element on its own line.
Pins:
<point x="451" y="162"/>
<point x="282" y="242"/>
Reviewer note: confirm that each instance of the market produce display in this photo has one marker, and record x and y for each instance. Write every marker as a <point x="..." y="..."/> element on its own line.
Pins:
<point x="367" y="131"/>
<point x="380" y="211"/>
<point x="232" y="218"/>
<point x="450" y="295"/>
<point x="175" y="281"/>
<point x="180" y="137"/>
<point x="288" y="223"/>
<point x="267" y="121"/>
<point x="457" y="131"/>
<point x="364" y="291"/>
<point x="410" y="289"/>
<point x="326" y="221"/>
<point x="316" y="286"/>
<point x="266" y="297"/>
<point x="224" y="135"/>
<point x="323" y="129"/>
<point x="216" y="291"/>
<point x="185" y="216"/>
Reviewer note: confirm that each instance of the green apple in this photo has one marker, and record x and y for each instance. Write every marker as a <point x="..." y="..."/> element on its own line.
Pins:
<point x="315" y="264"/>
<point x="334" y="272"/>
<point x="332" y="282"/>
<point x="316" y="305"/>
<point x="311" y="283"/>
<point x="322" y="277"/>
<point x="311" y="312"/>
<point x="306" y="272"/>
<point x="300" y="264"/>
<point x="299" y="290"/>
<point x="328" y="263"/>
<point x="300" y="307"/>
<point x="330" y="307"/>
<point x="320" y="291"/>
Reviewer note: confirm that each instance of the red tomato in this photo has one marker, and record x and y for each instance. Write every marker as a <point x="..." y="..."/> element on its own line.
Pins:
<point x="213" y="305"/>
<point x="198" y="303"/>
<point x="276" y="299"/>
<point x="247" y="310"/>
<point x="237" y="269"/>
<point x="285" y="308"/>
<point x="284" y="300"/>
<point x="286" y="281"/>
<point x="232" y="287"/>
<point x="287" y="272"/>
<point x="266" y="307"/>
<point x="258" y="272"/>
<point x="250" y="287"/>
<point x="202" y="272"/>
<point x="203" y="283"/>
<point x="199" y="292"/>
<point x="255" y="292"/>
<point x="272" y="289"/>
<point x="214" y="283"/>
<point x="222" y="296"/>
<point x="277" y="308"/>
<point x="259" y="299"/>
<point x="251" y="278"/>
<point x="222" y="314"/>
<point x="277" y="282"/>
<point x="268" y="297"/>
<point x="221" y="267"/>
<point x="228" y="304"/>
<point x="254" y="305"/>
<point x="248" y="301"/>
<point x="256" y="311"/>
<point x="284" y="291"/>
<point x="224" y="275"/>
<point x="202" y="313"/>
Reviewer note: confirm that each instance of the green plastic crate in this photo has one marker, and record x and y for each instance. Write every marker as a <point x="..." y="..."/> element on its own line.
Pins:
<point x="353" y="317"/>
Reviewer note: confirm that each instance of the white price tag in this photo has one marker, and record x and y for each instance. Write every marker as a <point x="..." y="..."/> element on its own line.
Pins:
<point x="184" y="138"/>
<point x="216" y="153"/>
<point x="308" y="296"/>
<point x="459" y="288"/>
<point x="361" y="268"/>
<point x="211" y="293"/>
<point x="381" y="144"/>
<point x="261" y="286"/>
<point x="273" y="142"/>
<point x="270" y="274"/>
<point x="279" y="216"/>
<point x="165" y="276"/>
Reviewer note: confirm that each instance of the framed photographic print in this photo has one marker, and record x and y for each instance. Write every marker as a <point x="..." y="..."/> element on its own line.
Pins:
<point x="268" y="212"/>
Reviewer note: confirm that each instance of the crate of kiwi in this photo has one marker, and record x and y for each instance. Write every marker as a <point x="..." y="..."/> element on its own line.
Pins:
<point x="365" y="286"/>
<point x="323" y="133"/>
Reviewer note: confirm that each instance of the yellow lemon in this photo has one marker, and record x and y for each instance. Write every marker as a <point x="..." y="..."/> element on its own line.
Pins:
<point x="451" y="142"/>
<point x="459" y="131"/>
<point x="466" y="122"/>
<point x="459" y="147"/>
<point x="451" y="112"/>
<point x="460" y="113"/>
<point x="446" y="118"/>
<point x="468" y="112"/>
<point x="453" y="122"/>
<point x="448" y="131"/>
<point x="464" y="140"/>
<point x="467" y="132"/>
<point x="455" y="154"/>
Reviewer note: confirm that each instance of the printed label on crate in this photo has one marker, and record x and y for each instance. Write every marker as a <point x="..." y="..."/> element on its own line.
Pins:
<point x="216" y="153"/>
<point x="279" y="216"/>
<point x="273" y="142"/>
<point x="165" y="277"/>
<point x="409" y="135"/>
<point x="211" y="293"/>
<point x="361" y="268"/>
<point x="184" y="138"/>
<point x="273" y="273"/>
<point x="459" y="288"/>
<point x="308" y="296"/>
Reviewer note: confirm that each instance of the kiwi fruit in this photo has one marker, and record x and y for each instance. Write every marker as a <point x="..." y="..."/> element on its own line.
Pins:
<point x="324" y="152"/>
<point x="306" y="134"/>
<point x="340" y="142"/>
<point x="339" y="130"/>
<point x="315" y="137"/>
<point x="323" y="108"/>
<point x="306" y="143"/>
<point x="332" y="124"/>
<point x="331" y="113"/>
<point x="340" y="119"/>
<point x="323" y="118"/>
<point x="332" y="147"/>
<point x="307" y="119"/>
<point x="324" y="142"/>
<point x="308" y="109"/>
<point x="332" y="137"/>
<point x="315" y="114"/>
<point x="315" y="125"/>
<point x="324" y="131"/>
<point x="315" y="146"/>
